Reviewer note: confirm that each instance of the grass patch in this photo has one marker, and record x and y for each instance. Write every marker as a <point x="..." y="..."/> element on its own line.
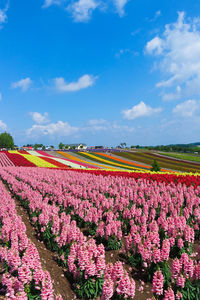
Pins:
<point x="189" y="157"/>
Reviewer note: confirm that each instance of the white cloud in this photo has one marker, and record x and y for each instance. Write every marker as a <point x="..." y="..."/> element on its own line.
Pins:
<point x="179" y="53"/>
<point x="188" y="108"/>
<point x="62" y="129"/>
<point x="59" y="129"/>
<point x="157" y="14"/>
<point x="98" y="125"/>
<point x="40" y="118"/>
<point x="140" y="110"/>
<point x="48" y="3"/>
<point x="82" y="9"/>
<point x="126" y="51"/>
<point x="83" y="82"/>
<point x="112" y="127"/>
<point x="24" y="84"/>
<point x="96" y="121"/>
<point x="3" y="126"/>
<point x="172" y="96"/>
<point x="154" y="46"/>
<point x="120" y="4"/>
<point x="3" y="16"/>
<point x="122" y="128"/>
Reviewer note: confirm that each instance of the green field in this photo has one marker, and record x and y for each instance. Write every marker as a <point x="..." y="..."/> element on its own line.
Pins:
<point x="190" y="157"/>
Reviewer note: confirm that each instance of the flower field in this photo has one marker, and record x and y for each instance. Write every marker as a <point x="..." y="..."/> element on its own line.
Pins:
<point x="117" y="162"/>
<point x="23" y="273"/>
<point x="164" y="162"/>
<point x="117" y="235"/>
<point x="65" y="160"/>
<point x="40" y="159"/>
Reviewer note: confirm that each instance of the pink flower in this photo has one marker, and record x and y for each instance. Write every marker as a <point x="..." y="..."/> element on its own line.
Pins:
<point x="169" y="294"/>
<point x="107" y="289"/>
<point x="176" y="268"/>
<point x="158" y="283"/>
<point x="180" y="281"/>
<point x="180" y="243"/>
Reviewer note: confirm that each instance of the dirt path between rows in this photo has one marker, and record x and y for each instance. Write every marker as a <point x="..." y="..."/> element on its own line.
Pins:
<point x="61" y="284"/>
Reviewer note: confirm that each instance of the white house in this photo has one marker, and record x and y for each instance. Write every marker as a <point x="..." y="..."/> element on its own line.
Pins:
<point x="81" y="146"/>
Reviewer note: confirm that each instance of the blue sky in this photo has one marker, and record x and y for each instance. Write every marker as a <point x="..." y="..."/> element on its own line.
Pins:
<point x="100" y="72"/>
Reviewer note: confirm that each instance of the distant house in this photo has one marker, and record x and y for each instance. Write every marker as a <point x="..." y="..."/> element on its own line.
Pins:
<point x="99" y="147"/>
<point x="27" y="148"/>
<point x="77" y="146"/>
<point x="49" y="148"/>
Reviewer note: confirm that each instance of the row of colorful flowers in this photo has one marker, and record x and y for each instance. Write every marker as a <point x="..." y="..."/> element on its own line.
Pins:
<point x="82" y="160"/>
<point x="5" y="161"/>
<point x="43" y="160"/>
<point x="118" y="162"/>
<point x="46" y="160"/>
<point x="158" y="218"/>
<point x="23" y="275"/>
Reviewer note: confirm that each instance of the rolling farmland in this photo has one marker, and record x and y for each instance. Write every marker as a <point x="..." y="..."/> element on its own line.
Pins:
<point x="164" y="162"/>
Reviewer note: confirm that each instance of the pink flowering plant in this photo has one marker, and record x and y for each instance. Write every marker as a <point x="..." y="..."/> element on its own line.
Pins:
<point x="87" y="264"/>
<point x="186" y="277"/>
<point x="117" y="283"/>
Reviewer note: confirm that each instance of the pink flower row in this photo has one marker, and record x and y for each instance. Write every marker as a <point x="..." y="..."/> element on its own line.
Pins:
<point x="20" y="255"/>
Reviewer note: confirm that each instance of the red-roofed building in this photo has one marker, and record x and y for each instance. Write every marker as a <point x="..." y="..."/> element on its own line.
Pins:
<point x="27" y="148"/>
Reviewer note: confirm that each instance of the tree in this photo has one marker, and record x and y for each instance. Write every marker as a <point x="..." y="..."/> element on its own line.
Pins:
<point x="61" y="145"/>
<point x="123" y="145"/>
<point x="155" y="166"/>
<point x="6" y="141"/>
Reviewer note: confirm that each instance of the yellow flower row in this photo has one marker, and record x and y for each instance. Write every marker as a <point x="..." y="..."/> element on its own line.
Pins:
<point x="69" y="156"/>
<point x="39" y="162"/>
<point x="108" y="162"/>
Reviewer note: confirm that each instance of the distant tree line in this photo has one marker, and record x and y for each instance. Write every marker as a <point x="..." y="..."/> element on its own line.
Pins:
<point x="176" y="148"/>
<point x="37" y="146"/>
<point x="65" y="146"/>
<point x="184" y="148"/>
